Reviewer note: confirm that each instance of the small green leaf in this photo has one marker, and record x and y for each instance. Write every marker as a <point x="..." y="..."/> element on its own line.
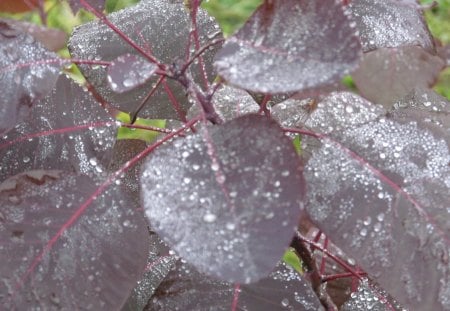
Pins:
<point x="145" y="135"/>
<point x="292" y="259"/>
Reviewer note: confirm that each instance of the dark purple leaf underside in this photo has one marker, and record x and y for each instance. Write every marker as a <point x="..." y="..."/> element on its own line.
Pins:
<point x="27" y="72"/>
<point x="92" y="257"/>
<point x="186" y="289"/>
<point x="289" y="46"/>
<point x="380" y="191"/>
<point x="386" y="75"/>
<point x="226" y="200"/>
<point x="390" y="23"/>
<point x="78" y="134"/>
<point x="128" y="72"/>
<point x="162" y="27"/>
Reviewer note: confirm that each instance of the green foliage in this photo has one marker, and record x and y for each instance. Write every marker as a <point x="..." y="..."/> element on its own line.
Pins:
<point x="231" y="14"/>
<point x="438" y="19"/>
<point x="292" y="259"/>
<point x="146" y="135"/>
<point x="116" y="5"/>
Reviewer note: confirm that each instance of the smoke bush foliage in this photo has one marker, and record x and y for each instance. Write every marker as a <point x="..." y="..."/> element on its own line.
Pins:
<point x="250" y="145"/>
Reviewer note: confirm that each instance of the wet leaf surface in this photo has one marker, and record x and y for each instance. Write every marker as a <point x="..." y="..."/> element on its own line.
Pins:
<point x="76" y="5"/>
<point x="386" y="75"/>
<point x="390" y="23"/>
<point x="27" y="72"/>
<point x="51" y="38"/>
<point x="161" y="27"/>
<point x="426" y="107"/>
<point x="230" y="103"/>
<point x="161" y="260"/>
<point x="57" y="255"/>
<point x="129" y="71"/>
<point x="290" y="45"/>
<point x="227" y="199"/>
<point x="187" y="289"/>
<point x="380" y="192"/>
<point x="77" y="134"/>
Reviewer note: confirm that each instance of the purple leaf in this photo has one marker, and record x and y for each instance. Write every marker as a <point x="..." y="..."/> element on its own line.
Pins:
<point x="52" y="39"/>
<point x="380" y="191"/>
<point x="27" y="73"/>
<point x="60" y="251"/>
<point x="290" y="45"/>
<point x="229" y="103"/>
<point x="159" y="263"/>
<point x="187" y="289"/>
<point x="365" y="298"/>
<point x="129" y="71"/>
<point x="427" y="107"/>
<point x="160" y="27"/>
<point x="66" y="130"/>
<point x="390" y="23"/>
<point x="386" y="75"/>
<point x="76" y="5"/>
<point x="227" y="200"/>
<point x="123" y="151"/>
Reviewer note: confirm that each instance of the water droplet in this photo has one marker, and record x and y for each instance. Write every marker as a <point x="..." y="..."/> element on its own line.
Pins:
<point x="377" y="227"/>
<point x="230" y="226"/>
<point x="126" y="223"/>
<point x="93" y="161"/>
<point x="215" y="167"/>
<point x="186" y="180"/>
<point x="209" y="217"/>
<point x="285" y="173"/>
<point x="349" y="109"/>
<point x="363" y="232"/>
<point x="185" y="154"/>
<point x="26" y="159"/>
<point x="129" y="82"/>
<point x="367" y="221"/>
<point x="285" y="302"/>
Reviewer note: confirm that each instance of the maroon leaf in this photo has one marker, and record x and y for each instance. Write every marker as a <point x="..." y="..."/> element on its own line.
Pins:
<point x="390" y="23"/>
<point x="52" y="39"/>
<point x="227" y="200"/>
<point x="229" y="103"/>
<point x="61" y="251"/>
<point x="76" y="5"/>
<point x="160" y="27"/>
<point x="380" y="191"/>
<point x="67" y="130"/>
<point x="27" y="73"/>
<point x="290" y="45"/>
<point x="159" y="263"/>
<point x="187" y="289"/>
<point x="129" y="71"/>
<point x="427" y="108"/>
<point x="386" y="75"/>
<point x="365" y="298"/>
